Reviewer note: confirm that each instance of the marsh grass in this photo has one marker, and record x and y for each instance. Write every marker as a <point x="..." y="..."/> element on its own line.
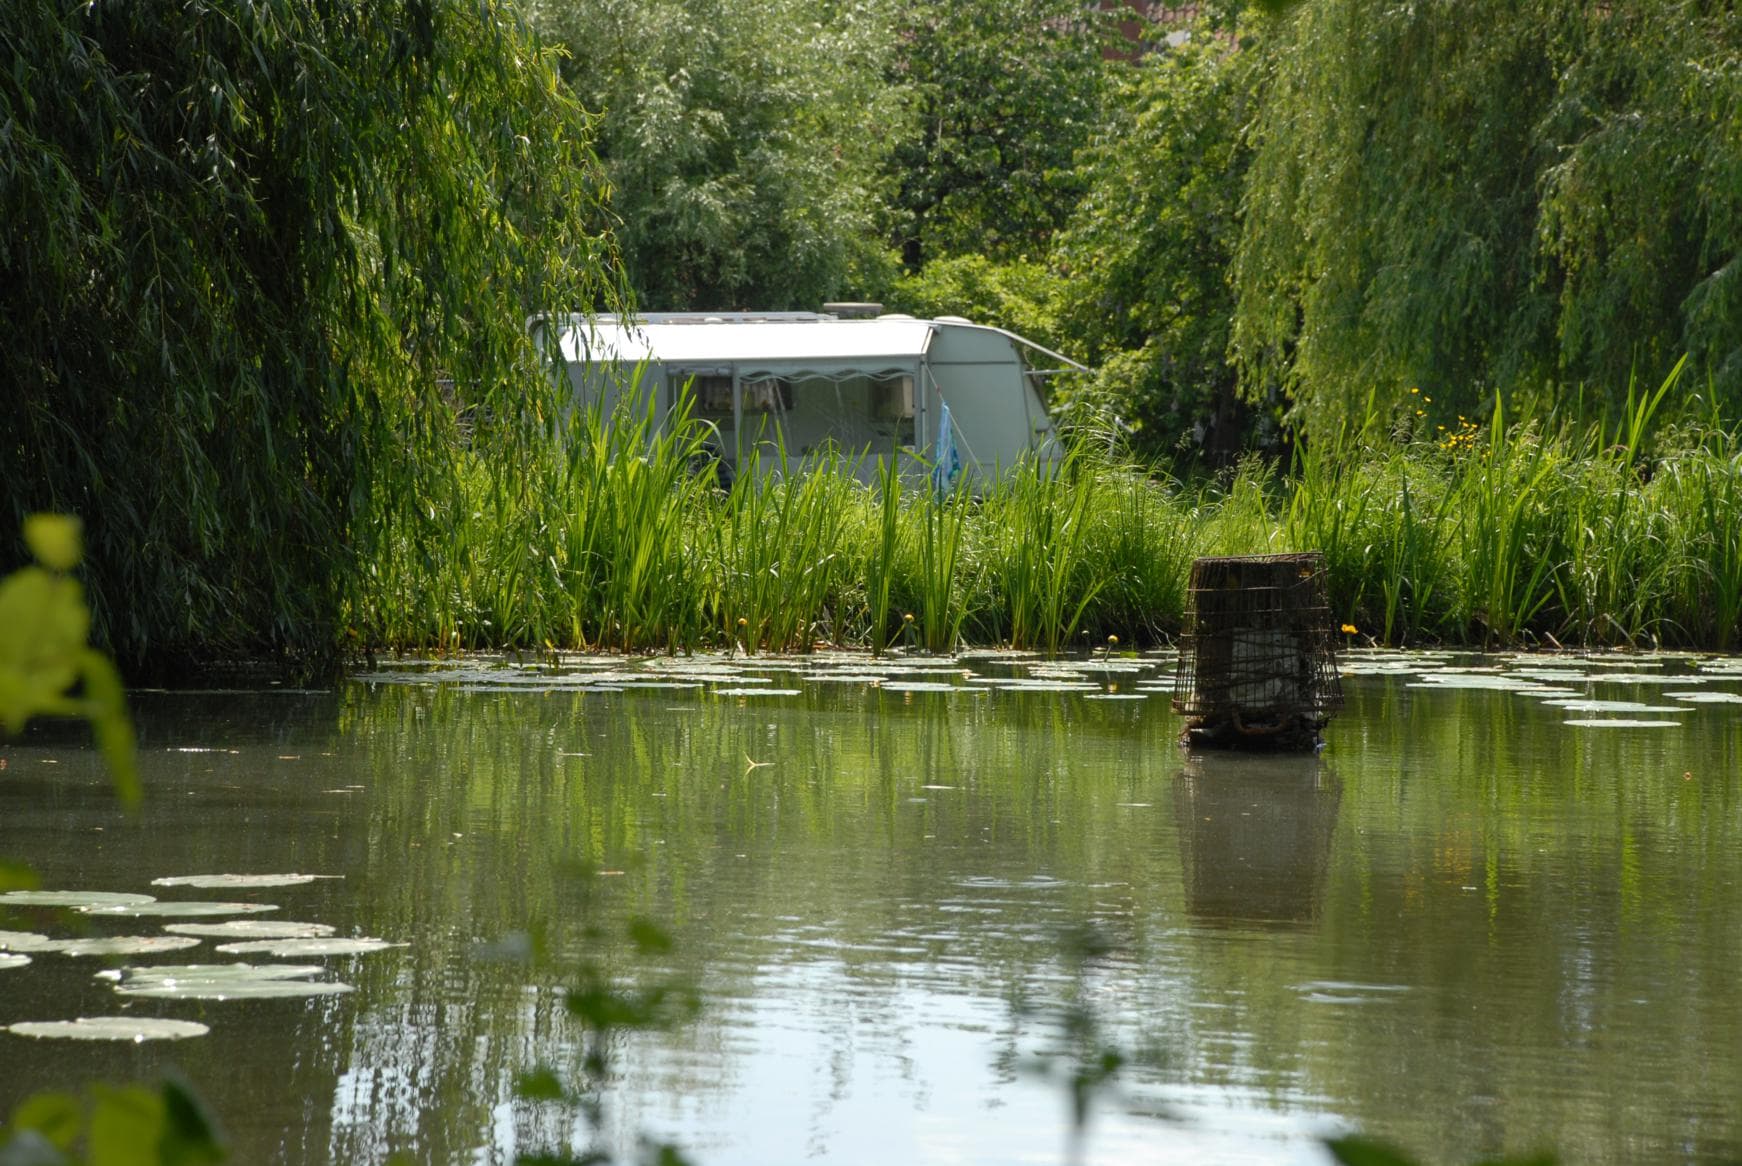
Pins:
<point x="1528" y="530"/>
<point x="879" y="559"/>
<point x="775" y="543"/>
<point x="937" y="525"/>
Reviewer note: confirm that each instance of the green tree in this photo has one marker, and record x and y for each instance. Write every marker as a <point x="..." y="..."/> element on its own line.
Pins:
<point x="1016" y="294"/>
<point x="745" y="142"/>
<point x="1005" y="94"/>
<point x="1143" y="262"/>
<point x="1469" y="197"/>
<point x="247" y="245"/>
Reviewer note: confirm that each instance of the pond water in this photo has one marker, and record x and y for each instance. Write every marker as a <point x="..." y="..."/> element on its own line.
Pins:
<point x="1476" y="923"/>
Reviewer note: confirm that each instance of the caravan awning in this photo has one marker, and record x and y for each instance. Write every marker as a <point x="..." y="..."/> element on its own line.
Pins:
<point x="775" y="345"/>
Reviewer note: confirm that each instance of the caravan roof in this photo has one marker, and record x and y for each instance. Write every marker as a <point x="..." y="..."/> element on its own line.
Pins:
<point x="776" y="338"/>
<point x="804" y="342"/>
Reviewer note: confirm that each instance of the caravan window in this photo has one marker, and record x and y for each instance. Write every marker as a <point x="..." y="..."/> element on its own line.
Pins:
<point x="712" y="393"/>
<point x="768" y="395"/>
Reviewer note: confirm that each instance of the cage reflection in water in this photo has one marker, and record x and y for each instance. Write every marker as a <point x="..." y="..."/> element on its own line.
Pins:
<point x="1258" y="665"/>
<point x="1255" y="837"/>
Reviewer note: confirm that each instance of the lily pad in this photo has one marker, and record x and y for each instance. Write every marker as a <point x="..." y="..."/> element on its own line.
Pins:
<point x="307" y="947"/>
<point x="1643" y="678"/>
<point x="923" y="686"/>
<point x="222" y="981"/>
<point x="1622" y="723"/>
<point x="25" y="941"/>
<point x="123" y="944"/>
<point x="1479" y="681"/>
<point x="1612" y="706"/>
<point x="1052" y="683"/>
<point x="629" y="685"/>
<point x="1557" y="675"/>
<point x="127" y="1028"/>
<point x="80" y="899"/>
<point x="1706" y="697"/>
<point x="757" y="691"/>
<point x="10" y="959"/>
<point x="253" y="929"/>
<point x="213" y="882"/>
<point x="188" y="909"/>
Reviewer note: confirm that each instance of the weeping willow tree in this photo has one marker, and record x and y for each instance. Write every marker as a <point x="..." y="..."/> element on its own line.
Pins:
<point x="258" y="259"/>
<point x="1470" y="195"/>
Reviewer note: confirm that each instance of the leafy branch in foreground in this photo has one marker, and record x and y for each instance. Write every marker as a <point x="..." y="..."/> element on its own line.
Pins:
<point x="46" y="666"/>
<point x="44" y="661"/>
<point x="111" y="1126"/>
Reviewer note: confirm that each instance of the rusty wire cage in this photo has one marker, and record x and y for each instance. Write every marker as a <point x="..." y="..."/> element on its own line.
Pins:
<point x="1258" y="663"/>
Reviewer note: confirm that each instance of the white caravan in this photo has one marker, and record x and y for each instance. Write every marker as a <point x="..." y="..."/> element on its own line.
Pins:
<point x="808" y="382"/>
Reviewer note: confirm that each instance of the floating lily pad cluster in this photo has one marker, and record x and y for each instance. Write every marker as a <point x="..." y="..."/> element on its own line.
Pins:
<point x="1102" y="676"/>
<point x="1590" y="687"/>
<point x="241" y="934"/>
<point x="1664" y="688"/>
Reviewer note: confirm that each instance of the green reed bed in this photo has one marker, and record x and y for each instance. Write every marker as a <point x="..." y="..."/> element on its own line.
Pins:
<point x="1512" y="532"/>
<point x="774" y="552"/>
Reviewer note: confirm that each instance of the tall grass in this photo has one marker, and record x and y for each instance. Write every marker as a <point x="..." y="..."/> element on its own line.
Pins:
<point x="879" y="557"/>
<point x="1040" y="520"/>
<point x="1517" y="531"/>
<point x="938" y="525"/>
<point x="775" y="550"/>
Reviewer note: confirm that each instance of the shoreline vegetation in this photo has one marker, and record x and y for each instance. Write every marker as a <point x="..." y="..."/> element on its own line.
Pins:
<point x="1533" y="531"/>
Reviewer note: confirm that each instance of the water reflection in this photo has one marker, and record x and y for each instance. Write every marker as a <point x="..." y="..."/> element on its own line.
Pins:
<point x="1485" y="932"/>
<point x="1255" y="836"/>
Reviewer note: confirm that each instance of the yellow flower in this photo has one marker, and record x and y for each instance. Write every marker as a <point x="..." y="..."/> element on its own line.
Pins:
<point x="1350" y="629"/>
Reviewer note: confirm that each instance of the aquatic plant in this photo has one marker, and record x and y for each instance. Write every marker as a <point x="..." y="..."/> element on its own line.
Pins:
<point x="1041" y="555"/>
<point x="773" y="548"/>
<point x="1526" y="529"/>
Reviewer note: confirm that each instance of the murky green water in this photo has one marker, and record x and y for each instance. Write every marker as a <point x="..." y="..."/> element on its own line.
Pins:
<point x="1466" y="927"/>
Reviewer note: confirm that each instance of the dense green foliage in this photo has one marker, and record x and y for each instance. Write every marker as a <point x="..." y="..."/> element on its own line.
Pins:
<point x="1474" y="198"/>
<point x="1005" y="93"/>
<point x="245" y="245"/>
<point x="267" y="269"/>
<point x="1143" y="285"/>
<point x="745" y="141"/>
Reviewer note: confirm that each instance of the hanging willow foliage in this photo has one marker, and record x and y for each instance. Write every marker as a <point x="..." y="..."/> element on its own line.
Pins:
<point x="257" y="260"/>
<point x="1468" y="195"/>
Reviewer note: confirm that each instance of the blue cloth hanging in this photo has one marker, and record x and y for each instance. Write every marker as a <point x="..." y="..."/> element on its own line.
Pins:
<point x="947" y="463"/>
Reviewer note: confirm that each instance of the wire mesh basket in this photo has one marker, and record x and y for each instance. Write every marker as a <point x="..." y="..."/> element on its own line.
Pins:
<point x="1258" y="663"/>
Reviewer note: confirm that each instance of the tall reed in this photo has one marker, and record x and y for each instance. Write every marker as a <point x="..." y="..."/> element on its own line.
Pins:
<point x="620" y="542"/>
<point x="880" y="557"/>
<point x="774" y="549"/>
<point x="1519" y="531"/>
<point x="1040" y="525"/>
<point x="939" y="522"/>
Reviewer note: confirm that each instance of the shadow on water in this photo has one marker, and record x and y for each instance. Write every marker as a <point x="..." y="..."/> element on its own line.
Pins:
<point x="1255" y="836"/>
